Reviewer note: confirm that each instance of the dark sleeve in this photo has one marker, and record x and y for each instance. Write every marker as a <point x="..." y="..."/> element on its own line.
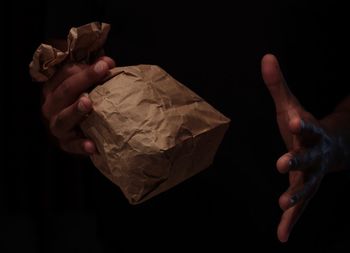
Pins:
<point x="60" y="16"/>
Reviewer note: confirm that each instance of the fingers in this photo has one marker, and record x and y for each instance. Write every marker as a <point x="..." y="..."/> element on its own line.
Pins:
<point x="294" y="201"/>
<point x="110" y="62"/>
<point x="304" y="160"/>
<point x="70" y="117"/>
<point x="275" y="82"/>
<point x="305" y="128"/>
<point x="308" y="150"/>
<point x="62" y="88"/>
<point x="295" y="125"/>
<point x="79" y="146"/>
<point x="63" y="127"/>
<point x="283" y="162"/>
<point x="300" y="190"/>
<point x="62" y="108"/>
<point x="62" y="74"/>
<point x="72" y="69"/>
<point x="288" y="220"/>
<point x="71" y="88"/>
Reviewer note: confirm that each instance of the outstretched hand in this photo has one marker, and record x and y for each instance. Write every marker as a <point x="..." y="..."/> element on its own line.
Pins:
<point x="65" y="105"/>
<point x="311" y="150"/>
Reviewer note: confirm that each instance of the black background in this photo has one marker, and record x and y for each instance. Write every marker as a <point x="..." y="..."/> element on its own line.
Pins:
<point x="55" y="202"/>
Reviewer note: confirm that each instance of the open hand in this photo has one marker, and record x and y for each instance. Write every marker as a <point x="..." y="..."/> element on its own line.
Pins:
<point x="311" y="150"/>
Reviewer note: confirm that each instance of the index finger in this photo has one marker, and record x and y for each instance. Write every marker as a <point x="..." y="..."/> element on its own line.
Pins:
<point x="65" y="72"/>
<point x="275" y="82"/>
<point x="71" y="88"/>
<point x="71" y="69"/>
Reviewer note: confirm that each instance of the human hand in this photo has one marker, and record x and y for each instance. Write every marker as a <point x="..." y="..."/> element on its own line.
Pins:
<point x="65" y="105"/>
<point x="311" y="149"/>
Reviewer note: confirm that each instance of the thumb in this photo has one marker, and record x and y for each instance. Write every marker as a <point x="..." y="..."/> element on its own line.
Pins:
<point x="276" y="84"/>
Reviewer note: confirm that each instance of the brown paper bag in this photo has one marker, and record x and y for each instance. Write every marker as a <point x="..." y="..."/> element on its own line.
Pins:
<point x="151" y="132"/>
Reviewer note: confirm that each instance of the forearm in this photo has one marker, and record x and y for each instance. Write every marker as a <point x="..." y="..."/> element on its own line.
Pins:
<point x="337" y="124"/>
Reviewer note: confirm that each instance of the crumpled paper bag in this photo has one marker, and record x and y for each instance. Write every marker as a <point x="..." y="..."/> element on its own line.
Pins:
<point x="151" y="131"/>
<point x="84" y="44"/>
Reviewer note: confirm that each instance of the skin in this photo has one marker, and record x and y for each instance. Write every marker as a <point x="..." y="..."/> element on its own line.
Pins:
<point x="315" y="147"/>
<point x="65" y="104"/>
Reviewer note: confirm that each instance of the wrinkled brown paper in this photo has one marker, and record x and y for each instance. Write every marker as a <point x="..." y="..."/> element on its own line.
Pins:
<point x="151" y="131"/>
<point x="84" y="44"/>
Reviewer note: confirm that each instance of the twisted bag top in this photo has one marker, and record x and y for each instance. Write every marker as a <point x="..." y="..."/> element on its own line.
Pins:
<point x="151" y="131"/>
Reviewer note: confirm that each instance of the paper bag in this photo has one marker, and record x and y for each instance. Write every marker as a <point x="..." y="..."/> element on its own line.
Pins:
<point x="151" y="131"/>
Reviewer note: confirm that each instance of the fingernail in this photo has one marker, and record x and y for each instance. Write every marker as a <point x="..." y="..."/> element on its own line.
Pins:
<point x="81" y="107"/>
<point x="100" y="67"/>
<point x="85" y="94"/>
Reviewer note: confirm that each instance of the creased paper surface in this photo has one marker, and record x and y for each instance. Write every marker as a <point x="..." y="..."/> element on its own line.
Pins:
<point x="151" y="131"/>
